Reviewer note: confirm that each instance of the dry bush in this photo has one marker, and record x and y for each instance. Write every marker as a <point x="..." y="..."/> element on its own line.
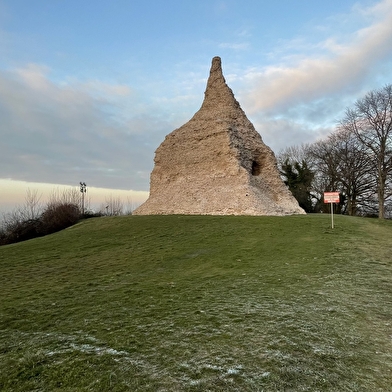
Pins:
<point x="58" y="216"/>
<point x="15" y="229"/>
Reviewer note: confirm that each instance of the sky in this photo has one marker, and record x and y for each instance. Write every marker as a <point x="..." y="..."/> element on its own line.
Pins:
<point x="89" y="90"/>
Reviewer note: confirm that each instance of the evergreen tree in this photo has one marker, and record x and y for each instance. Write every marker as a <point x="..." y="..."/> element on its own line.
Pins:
<point x="299" y="181"/>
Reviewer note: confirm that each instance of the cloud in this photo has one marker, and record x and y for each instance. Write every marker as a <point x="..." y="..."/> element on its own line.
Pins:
<point x="302" y="98"/>
<point x="283" y="132"/>
<point x="34" y="76"/>
<point x="235" y="46"/>
<point x="66" y="133"/>
<point x="97" y="87"/>
<point x="342" y="68"/>
<point x="220" y="7"/>
<point x="106" y="133"/>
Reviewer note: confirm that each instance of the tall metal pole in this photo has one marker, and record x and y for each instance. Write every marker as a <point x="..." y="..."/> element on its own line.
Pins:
<point x="83" y="191"/>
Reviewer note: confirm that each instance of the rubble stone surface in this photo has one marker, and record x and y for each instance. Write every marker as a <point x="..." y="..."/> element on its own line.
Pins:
<point x="217" y="164"/>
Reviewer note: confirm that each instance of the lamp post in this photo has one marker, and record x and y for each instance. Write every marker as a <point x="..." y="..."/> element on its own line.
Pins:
<point x="83" y="191"/>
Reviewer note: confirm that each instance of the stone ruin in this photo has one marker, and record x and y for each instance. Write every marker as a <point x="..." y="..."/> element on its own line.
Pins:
<point x="217" y="164"/>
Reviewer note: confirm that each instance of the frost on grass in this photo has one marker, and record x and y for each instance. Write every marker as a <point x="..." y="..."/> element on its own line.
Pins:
<point x="57" y="343"/>
<point x="202" y="370"/>
<point x="99" y="350"/>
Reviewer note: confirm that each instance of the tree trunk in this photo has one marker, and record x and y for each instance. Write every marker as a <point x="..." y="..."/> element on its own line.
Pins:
<point x="381" y="194"/>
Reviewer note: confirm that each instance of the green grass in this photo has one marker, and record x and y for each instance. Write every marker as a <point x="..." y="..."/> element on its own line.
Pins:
<point x="198" y="303"/>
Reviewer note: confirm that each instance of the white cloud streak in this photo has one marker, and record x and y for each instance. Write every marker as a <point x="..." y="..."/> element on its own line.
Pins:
<point x="301" y="100"/>
<point x="69" y="133"/>
<point x="342" y="69"/>
<point x="235" y="46"/>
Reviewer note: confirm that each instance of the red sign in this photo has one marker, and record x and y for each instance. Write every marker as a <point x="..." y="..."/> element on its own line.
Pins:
<point x="331" y="197"/>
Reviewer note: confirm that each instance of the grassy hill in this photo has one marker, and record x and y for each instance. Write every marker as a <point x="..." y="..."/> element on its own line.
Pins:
<point x="199" y="303"/>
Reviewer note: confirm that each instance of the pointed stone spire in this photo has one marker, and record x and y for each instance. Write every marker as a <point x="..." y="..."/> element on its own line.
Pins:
<point x="217" y="163"/>
<point x="218" y="94"/>
<point x="216" y="79"/>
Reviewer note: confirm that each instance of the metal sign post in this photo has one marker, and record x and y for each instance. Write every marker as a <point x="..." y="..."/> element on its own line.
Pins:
<point x="331" y="197"/>
<point x="331" y="215"/>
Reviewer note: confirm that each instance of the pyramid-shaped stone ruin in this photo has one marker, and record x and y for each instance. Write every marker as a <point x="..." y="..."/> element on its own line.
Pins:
<point x="217" y="164"/>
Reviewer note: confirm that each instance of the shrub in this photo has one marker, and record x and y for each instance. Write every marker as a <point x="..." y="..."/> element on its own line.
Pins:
<point x="27" y="230"/>
<point x="58" y="216"/>
<point x="18" y="226"/>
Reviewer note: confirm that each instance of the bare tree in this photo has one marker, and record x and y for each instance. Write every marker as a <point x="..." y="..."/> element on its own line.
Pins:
<point x="68" y="196"/>
<point x="343" y="163"/>
<point x="32" y="207"/>
<point x="31" y="210"/>
<point x="23" y="222"/>
<point x="129" y="207"/>
<point x="113" y="206"/>
<point x="294" y="154"/>
<point x="371" y="121"/>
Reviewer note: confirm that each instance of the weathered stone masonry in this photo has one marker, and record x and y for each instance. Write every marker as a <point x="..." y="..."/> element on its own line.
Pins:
<point x="217" y="164"/>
